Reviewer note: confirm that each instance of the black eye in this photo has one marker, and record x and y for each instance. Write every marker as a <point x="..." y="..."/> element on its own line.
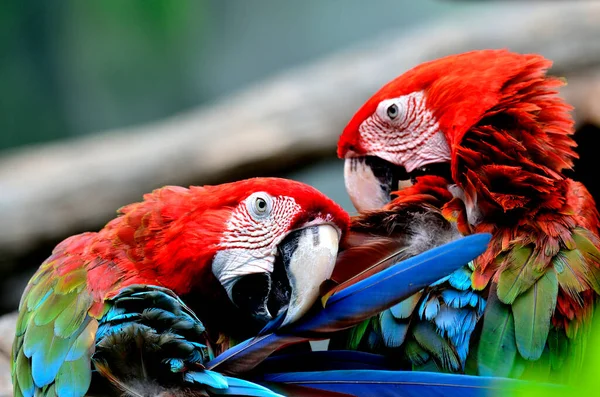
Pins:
<point x="261" y="204"/>
<point x="392" y="111"/>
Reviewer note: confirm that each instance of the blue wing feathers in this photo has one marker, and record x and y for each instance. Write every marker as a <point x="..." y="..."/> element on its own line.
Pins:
<point x="149" y="316"/>
<point x="209" y="378"/>
<point x="461" y="279"/>
<point x="360" y="301"/>
<point x="393" y="331"/>
<point x="452" y="306"/>
<point x="430" y="308"/>
<point x="405" y="308"/>
<point x="399" y="383"/>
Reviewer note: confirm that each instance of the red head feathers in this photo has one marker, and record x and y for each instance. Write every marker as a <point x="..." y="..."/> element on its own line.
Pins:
<point x="231" y="240"/>
<point x="457" y="92"/>
<point x="481" y="107"/>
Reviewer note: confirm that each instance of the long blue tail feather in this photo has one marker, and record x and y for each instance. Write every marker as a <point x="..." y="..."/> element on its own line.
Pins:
<point x="357" y="302"/>
<point x="399" y="383"/>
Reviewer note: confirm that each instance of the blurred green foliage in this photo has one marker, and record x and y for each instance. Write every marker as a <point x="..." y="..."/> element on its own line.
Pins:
<point x="71" y="66"/>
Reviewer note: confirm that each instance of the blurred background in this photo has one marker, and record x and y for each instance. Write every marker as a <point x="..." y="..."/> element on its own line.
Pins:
<point x="104" y="101"/>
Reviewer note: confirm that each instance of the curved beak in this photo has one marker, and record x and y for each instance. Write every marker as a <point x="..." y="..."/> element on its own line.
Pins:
<point x="308" y="256"/>
<point x="304" y="260"/>
<point x="370" y="181"/>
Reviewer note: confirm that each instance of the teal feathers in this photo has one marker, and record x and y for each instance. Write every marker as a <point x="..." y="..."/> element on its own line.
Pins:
<point x="434" y="324"/>
<point x="55" y="336"/>
<point x="509" y="328"/>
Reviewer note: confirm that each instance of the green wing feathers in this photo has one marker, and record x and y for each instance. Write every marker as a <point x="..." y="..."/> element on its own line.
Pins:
<point x="55" y="334"/>
<point x="539" y="314"/>
<point x="497" y="349"/>
<point x="532" y="312"/>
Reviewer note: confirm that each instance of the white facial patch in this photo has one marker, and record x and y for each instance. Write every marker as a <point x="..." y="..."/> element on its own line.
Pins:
<point x="229" y="265"/>
<point x="404" y="132"/>
<point x="249" y="245"/>
<point x="362" y="186"/>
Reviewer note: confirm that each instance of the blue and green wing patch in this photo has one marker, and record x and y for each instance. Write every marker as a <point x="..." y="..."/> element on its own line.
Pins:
<point x="518" y="338"/>
<point x="55" y="336"/>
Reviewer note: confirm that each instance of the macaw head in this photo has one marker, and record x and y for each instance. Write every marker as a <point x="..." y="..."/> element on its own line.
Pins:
<point x="416" y="124"/>
<point x="264" y="244"/>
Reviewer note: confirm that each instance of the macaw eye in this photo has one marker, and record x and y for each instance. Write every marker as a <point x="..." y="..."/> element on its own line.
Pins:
<point x="259" y="204"/>
<point x="392" y="111"/>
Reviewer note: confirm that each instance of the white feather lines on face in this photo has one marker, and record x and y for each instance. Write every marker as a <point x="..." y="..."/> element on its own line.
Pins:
<point x="254" y="230"/>
<point x="404" y="132"/>
<point x="260" y="222"/>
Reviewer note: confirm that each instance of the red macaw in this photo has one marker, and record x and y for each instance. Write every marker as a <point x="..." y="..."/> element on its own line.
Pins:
<point x="238" y="254"/>
<point x="484" y="137"/>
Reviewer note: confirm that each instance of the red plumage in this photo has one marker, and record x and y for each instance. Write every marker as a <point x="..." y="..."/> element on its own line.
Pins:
<point x="509" y="135"/>
<point x="114" y="300"/>
<point x="170" y="238"/>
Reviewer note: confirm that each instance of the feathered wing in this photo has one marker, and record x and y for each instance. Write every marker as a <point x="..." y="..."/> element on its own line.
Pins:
<point x="56" y="329"/>
<point x="149" y="342"/>
<point x="545" y="286"/>
<point x="537" y="310"/>
<point x="141" y="339"/>
<point x="400" y="383"/>
<point x="355" y="303"/>
<point x="543" y="263"/>
<point x="430" y="329"/>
